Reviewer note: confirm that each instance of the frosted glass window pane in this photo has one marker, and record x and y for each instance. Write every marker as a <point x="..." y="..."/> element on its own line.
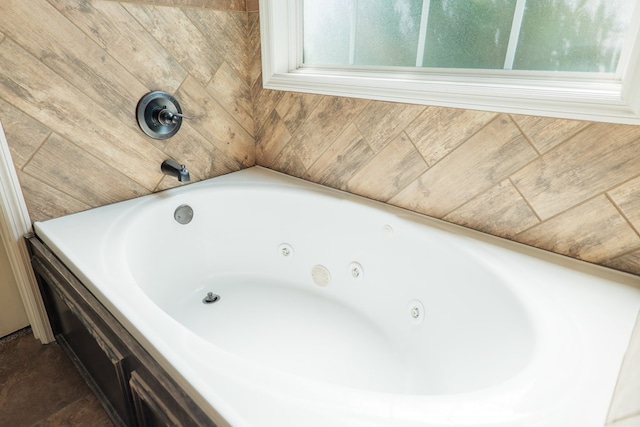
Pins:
<point x="468" y="34"/>
<point x="572" y="35"/>
<point x="327" y="31"/>
<point x="387" y="32"/>
<point x="562" y="35"/>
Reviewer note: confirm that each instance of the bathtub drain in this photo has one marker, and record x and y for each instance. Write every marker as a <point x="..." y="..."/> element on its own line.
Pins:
<point x="211" y="298"/>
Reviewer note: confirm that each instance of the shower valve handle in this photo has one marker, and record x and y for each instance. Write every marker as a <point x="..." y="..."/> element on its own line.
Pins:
<point x="166" y="117"/>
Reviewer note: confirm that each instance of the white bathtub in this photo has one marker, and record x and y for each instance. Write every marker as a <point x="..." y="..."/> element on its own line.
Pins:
<point x="338" y="311"/>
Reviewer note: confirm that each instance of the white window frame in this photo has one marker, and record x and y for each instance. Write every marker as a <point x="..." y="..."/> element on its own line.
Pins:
<point x="614" y="99"/>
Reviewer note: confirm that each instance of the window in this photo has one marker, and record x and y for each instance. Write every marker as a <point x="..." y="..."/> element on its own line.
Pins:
<point x="563" y="58"/>
<point x="550" y="35"/>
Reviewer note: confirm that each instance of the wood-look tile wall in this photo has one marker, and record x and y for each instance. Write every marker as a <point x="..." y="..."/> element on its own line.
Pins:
<point x="72" y="72"/>
<point x="571" y="187"/>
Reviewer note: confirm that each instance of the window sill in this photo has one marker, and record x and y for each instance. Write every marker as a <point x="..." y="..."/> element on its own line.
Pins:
<point x="615" y="100"/>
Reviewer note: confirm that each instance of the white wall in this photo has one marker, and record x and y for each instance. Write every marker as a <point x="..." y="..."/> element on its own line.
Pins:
<point x="12" y="314"/>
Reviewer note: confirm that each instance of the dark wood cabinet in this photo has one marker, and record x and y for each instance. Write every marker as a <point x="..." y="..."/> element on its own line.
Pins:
<point x="132" y="387"/>
<point x="150" y="408"/>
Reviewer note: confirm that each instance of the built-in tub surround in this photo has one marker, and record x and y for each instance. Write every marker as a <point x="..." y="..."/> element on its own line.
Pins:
<point x="331" y="304"/>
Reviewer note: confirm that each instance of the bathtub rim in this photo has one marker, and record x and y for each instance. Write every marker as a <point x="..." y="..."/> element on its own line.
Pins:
<point x="575" y="264"/>
<point x="560" y="260"/>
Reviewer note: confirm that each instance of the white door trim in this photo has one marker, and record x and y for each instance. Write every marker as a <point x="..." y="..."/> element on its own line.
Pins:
<point x="14" y="224"/>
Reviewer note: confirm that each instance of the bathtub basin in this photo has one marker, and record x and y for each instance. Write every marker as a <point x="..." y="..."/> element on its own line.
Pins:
<point x="337" y="311"/>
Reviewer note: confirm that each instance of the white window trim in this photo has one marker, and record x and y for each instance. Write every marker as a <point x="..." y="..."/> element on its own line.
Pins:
<point x="615" y="100"/>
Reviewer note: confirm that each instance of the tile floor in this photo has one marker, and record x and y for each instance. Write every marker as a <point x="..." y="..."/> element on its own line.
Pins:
<point x="39" y="386"/>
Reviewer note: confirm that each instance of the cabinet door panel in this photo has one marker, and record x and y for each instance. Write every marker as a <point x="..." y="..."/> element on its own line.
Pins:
<point x="150" y="408"/>
<point x="99" y="360"/>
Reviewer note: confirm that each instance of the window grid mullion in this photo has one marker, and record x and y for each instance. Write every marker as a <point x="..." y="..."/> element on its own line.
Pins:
<point x="352" y="36"/>
<point x="422" y="36"/>
<point x="516" y="26"/>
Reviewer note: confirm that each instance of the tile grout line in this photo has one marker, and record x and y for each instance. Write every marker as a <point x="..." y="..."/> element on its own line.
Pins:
<point x="35" y="152"/>
<point x="540" y="221"/>
<point x="621" y="212"/>
<point x="524" y="135"/>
